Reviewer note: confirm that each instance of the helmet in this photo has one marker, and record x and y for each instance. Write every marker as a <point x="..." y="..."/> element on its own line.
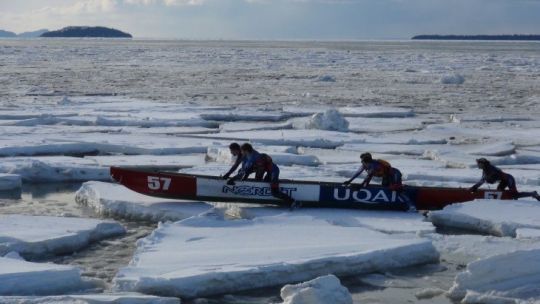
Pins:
<point x="234" y="146"/>
<point x="482" y="161"/>
<point x="366" y="157"/>
<point x="247" y="147"/>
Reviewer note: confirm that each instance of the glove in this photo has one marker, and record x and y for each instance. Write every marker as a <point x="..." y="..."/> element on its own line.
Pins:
<point x="473" y="190"/>
<point x="230" y="182"/>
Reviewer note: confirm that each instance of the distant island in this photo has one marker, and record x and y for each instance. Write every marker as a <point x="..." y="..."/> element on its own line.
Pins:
<point x="6" y="34"/>
<point x="33" y="34"/>
<point x="86" y="32"/>
<point x="478" y="37"/>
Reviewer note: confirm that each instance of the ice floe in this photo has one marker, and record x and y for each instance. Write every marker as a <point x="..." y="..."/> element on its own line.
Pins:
<point x="115" y="200"/>
<point x="496" y="217"/>
<point x="38" y="236"/>
<point x="10" y="181"/>
<point x="322" y="290"/>
<point x="105" y="298"/>
<point x="511" y="275"/>
<point x="54" y="169"/>
<point x="19" y="277"/>
<point x="374" y="111"/>
<point x="206" y="256"/>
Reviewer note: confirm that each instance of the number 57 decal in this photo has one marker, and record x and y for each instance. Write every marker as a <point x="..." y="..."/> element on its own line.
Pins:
<point x="158" y="183"/>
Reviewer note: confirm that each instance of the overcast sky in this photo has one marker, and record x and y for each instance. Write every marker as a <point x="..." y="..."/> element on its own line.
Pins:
<point x="278" y="19"/>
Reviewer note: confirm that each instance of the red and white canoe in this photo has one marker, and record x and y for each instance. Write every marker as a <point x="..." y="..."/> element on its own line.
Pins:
<point x="311" y="194"/>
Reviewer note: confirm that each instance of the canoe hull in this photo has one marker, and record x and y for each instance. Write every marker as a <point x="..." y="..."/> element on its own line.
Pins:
<point x="311" y="194"/>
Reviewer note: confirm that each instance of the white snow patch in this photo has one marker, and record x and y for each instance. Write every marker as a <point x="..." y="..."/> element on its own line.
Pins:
<point x="115" y="200"/>
<point x="34" y="236"/>
<point x="496" y="217"/>
<point x="205" y="256"/>
<point x="322" y="290"/>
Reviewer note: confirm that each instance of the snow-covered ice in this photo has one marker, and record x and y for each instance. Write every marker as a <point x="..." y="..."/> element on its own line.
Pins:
<point x="115" y="200"/>
<point x="496" y="217"/>
<point x="36" y="236"/>
<point x="376" y="111"/>
<point x="322" y="290"/>
<point x="511" y="275"/>
<point x="54" y="169"/>
<point x="180" y="258"/>
<point x="19" y="277"/>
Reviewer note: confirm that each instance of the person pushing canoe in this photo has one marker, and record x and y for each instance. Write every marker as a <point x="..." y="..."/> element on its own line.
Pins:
<point x="234" y="148"/>
<point x="265" y="170"/>
<point x="492" y="174"/>
<point x="391" y="177"/>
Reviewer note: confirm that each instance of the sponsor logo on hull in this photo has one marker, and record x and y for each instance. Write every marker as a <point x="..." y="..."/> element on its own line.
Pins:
<point x="363" y="195"/>
<point x="255" y="190"/>
<point x="246" y="190"/>
<point x="492" y="195"/>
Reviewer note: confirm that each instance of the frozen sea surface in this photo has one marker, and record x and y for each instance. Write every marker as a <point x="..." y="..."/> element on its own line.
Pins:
<point x="69" y="109"/>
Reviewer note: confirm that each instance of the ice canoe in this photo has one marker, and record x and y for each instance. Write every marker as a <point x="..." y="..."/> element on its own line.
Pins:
<point x="312" y="194"/>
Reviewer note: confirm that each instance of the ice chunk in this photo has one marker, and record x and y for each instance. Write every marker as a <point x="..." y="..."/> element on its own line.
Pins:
<point x="496" y="217"/>
<point x="111" y="298"/>
<point x="26" y="278"/>
<point x="453" y="79"/>
<point x="330" y="120"/>
<point x="10" y="182"/>
<point x="205" y="256"/>
<point x="116" y="200"/>
<point x="513" y="275"/>
<point x="35" y="236"/>
<point x="322" y="290"/>
<point x="428" y="293"/>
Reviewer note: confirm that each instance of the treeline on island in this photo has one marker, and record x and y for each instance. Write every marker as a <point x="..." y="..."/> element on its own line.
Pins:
<point x="478" y="37"/>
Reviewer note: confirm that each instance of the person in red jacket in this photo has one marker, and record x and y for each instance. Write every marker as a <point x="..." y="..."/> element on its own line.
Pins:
<point x="391" y="177"/>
